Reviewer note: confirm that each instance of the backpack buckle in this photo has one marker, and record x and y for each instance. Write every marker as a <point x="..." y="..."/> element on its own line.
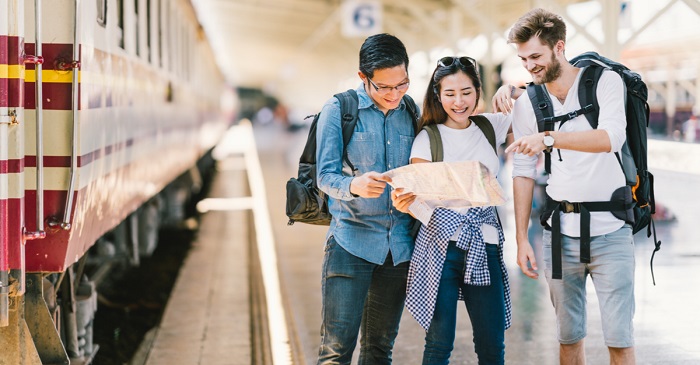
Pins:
<point x="572" y="115"/>
<point x="569" y="207"/>
<point x="542" y="105"/>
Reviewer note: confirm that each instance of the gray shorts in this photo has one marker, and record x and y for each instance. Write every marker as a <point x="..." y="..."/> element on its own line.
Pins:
<point x="612" y="272"/>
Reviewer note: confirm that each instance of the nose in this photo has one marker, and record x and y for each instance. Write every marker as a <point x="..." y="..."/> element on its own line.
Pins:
<point x="530" y="65"/>
<point x="394" y="92"/>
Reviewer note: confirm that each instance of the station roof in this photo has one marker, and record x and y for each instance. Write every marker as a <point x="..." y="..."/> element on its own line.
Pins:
<point x="295" y="48"/>
<point x="258" y="39"/>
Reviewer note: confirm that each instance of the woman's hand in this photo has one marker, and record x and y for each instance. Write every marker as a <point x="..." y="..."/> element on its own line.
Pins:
<point x="503" y="99"/>
<point x="402" y="200"/>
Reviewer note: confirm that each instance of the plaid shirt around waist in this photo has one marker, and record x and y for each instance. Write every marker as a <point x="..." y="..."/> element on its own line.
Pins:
<point x="431" y="250"/>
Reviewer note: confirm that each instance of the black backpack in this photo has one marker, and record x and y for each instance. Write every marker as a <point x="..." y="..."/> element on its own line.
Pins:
<point x="306" y="203"/>
<point x="633" y="157"/>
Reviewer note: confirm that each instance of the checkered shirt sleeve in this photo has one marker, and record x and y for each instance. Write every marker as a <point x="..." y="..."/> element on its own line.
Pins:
<point x="429" y="257"/>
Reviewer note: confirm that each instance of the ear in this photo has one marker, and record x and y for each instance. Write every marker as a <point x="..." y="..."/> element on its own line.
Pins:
<point x="559" y="47"/>
<point x="362" y="76"/>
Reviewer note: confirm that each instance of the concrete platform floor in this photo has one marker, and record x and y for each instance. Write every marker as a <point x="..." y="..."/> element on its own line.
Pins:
<point x="666" y="320"/>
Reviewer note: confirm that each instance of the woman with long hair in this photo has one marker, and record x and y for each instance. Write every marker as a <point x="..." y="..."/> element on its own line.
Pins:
<point x="459" y="253"/>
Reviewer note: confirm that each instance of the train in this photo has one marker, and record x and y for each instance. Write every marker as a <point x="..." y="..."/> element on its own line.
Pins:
<point x="109" y="110"/>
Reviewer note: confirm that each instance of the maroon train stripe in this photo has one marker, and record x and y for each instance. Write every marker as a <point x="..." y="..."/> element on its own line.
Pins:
<point x="14" y="50"/>
<point x="4" y="55"/>
<point x="15" y="221"/>
<point x="83" y="160"/>
<point x="10" y="53"/>
<point x="11" y="99"/>
<point x="4" y="239"/>
<point x="11" y="166"/>
<point x="53" y="53"/>
<point x="57" y="96"/>
<point x="13" y="45"/>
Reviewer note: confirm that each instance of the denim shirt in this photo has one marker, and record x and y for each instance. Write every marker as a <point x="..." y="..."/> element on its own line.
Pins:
<point x="368" y="228"/>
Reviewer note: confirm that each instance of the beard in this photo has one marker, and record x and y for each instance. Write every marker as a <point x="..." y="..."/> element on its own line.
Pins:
<point x="551" y="72"/>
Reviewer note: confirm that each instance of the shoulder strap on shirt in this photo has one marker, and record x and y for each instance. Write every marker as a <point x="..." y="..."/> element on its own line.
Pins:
<point x="435" y="142"/>
<point x="486" y="128"/>
<point x="587" y="86"/>
<point x="413" y="110"/>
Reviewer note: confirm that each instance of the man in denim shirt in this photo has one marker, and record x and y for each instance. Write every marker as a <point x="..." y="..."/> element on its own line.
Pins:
<point x="368" y="245"/>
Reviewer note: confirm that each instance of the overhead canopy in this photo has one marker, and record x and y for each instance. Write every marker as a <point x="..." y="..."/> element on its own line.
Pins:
<point x="297" y="47"/>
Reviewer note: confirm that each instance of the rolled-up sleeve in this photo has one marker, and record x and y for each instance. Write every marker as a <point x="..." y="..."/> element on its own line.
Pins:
<point x="524" y="124"/>
<point x="329" y="153"/>
<point x="611" y="98"/>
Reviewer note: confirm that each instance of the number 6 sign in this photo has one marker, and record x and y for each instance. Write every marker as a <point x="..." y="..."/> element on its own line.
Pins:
<point x="361" y="18"/>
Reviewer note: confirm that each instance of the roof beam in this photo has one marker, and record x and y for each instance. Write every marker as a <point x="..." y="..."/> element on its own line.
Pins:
<point x="649" y="22"/>
<point x="579" y="29"/>
<point x="693" y="4"/>
<point x="326" y="28"/>
<point x="422" y="16"/>
<point x="471" y="10"/>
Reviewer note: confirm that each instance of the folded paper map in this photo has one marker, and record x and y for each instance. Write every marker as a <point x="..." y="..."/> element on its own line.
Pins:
<point x="454" y="185"/>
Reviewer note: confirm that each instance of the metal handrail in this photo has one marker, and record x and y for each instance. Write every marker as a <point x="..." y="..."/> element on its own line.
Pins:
<point x="75" y="65"/>
<point x="38" y="60"/>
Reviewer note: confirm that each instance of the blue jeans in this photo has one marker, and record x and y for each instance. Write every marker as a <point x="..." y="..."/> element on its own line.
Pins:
<point x="485" y="305"/>
<point x="360" y="295"/>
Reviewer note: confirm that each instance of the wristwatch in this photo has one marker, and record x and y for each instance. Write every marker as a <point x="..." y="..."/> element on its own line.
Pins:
<point x="548" y="141"/>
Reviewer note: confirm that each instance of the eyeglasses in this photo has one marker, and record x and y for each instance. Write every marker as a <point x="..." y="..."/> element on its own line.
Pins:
<point x="383" y="90"/>
<point x="464" y="61"/>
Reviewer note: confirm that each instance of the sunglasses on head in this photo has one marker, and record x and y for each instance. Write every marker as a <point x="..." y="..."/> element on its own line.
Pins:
<point x="464" y="61"/>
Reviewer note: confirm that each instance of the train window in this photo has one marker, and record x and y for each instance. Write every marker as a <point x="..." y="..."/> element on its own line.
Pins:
<point x="137" y="28"/>
<point x="102" y="12"/>
<point x="120" y="23"/>
<point x="161" y="30"/>
<point x="148" y="30"/>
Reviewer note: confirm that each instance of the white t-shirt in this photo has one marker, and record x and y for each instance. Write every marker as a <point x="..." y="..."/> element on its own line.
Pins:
<point x="579" y="176"/>
<point x="464" y="145"/>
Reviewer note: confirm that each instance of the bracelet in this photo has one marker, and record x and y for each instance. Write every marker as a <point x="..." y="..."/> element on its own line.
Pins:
<point x="512" y="91"/>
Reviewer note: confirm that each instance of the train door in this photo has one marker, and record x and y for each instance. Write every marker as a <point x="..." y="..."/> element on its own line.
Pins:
<point x="15" y="337"/>
<point x="28" y="332"/>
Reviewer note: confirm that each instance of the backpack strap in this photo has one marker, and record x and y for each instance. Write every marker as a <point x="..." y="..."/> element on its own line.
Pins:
<point x="349" y="105"/>
<point x="587" y="95"/>
<point x="486" y="128"/>
<point x="413" y="110"/>
<point x="544" y="112"/>
<point x="349" y="110"/>
<point x="542" y="105"/>
<point x="435" y="142"/>
<point x="587" y="87"/>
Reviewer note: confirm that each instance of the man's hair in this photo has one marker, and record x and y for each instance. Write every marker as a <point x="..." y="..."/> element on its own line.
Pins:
<point x="547" y="26"/>
<point x="433" y="112"/>
<point x="382" y="51"/>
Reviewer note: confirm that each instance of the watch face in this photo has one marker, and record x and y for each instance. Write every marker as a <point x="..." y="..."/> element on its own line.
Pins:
<point x="548" y="141"/>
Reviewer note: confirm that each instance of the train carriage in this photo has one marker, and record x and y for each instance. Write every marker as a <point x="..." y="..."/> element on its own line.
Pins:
<point x="106" y="110"/>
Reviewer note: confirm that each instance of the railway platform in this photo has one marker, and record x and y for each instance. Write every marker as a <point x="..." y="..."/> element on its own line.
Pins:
<point x="223" y="306"/>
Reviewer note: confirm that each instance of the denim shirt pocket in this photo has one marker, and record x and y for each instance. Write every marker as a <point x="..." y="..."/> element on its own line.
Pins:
<point x="406" y="144"/>
<point x="361" y="149"/>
